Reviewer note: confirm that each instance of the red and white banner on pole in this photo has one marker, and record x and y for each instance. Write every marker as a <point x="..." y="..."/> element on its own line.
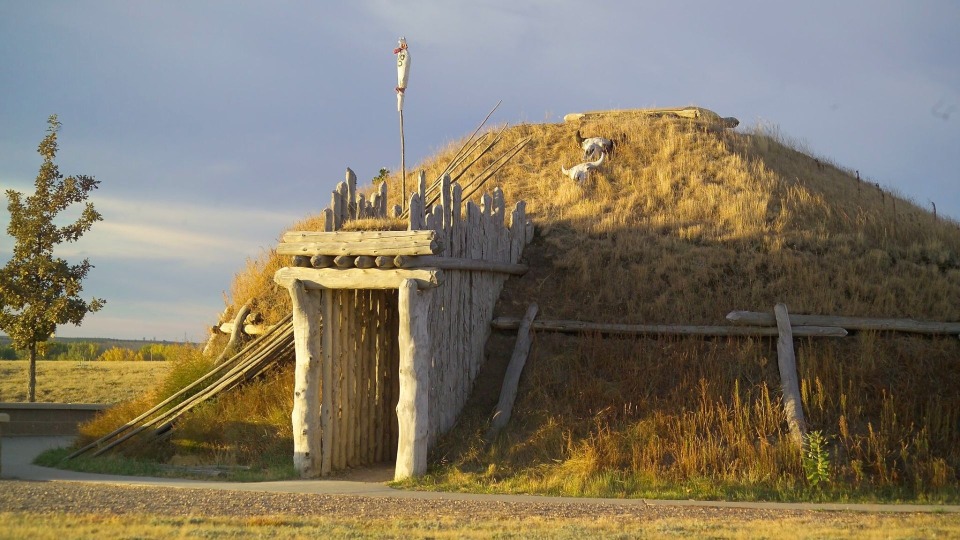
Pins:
<point x="403" y="70"/>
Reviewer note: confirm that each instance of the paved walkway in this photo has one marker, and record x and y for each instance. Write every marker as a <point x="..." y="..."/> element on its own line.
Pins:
<point x="19" y="452"/>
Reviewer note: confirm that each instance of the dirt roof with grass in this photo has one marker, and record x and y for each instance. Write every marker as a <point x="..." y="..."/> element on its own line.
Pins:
<point x="683" y="224"/>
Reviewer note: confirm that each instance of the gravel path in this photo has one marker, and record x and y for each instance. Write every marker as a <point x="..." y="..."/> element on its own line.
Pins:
<point x="88" y="498"/>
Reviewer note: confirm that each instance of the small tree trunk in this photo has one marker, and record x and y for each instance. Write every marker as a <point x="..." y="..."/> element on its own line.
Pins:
<point x="33" y="373"/>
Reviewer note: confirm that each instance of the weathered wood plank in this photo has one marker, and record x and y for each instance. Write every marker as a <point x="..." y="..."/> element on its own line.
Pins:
<point x="351" y="180"/>
<point x="327" y="383"/>
<point x="850" y="323"/>
<point x="511" y="379"/>
<point x="340" y="383"/>
<point x="328" y="225"/>
<point x="512" y="323"/>
<point x="789" y="384"/>
<point x="360" y="243"/>
<point x="413" y="405"/>
<point x="454" y="263"/>
<point x="358" y="278"/>
<point x="350" y="375"/>
<point x="415" y="218"/>
<point x="307" y="451"/>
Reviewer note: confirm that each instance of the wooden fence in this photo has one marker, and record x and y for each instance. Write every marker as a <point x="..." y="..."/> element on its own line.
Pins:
<point x="390" y="321"/>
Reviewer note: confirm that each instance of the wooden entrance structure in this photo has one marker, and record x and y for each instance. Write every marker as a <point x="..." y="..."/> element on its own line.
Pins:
<point x="390" y="326"/>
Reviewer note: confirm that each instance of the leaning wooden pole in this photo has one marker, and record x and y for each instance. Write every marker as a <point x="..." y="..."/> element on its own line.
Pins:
<point x="511" y="379"/>
<point x="413" y="405"/>
<point x="307" y="452"/>
<point x="787" y="362"/>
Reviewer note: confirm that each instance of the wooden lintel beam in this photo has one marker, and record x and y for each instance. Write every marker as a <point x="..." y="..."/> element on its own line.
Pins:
<point x="372" y="243"/>
<point x="357" y="278"/>
<point x="573" y="327"/>
<point x="455" y="263"/>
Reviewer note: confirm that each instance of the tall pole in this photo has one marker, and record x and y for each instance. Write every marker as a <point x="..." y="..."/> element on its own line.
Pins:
<point x="403" y="71"/>
<point x="403" y="167"/>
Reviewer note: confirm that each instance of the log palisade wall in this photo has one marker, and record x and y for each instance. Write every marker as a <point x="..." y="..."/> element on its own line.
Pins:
<point x="391" y="325"/>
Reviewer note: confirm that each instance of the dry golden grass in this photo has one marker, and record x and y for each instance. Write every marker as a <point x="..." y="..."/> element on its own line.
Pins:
<point x="76" y="382"/>
<point x="682" y="226"/>
<point x="819" y="525"/>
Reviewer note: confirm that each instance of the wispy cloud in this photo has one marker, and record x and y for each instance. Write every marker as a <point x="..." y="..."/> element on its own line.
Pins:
<point x="189" y="233"/>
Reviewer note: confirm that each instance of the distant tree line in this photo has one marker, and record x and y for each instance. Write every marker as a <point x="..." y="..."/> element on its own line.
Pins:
<point x="92" y="351"/>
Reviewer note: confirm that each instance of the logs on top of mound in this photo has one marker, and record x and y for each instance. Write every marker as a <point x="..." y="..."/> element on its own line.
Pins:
<point x="698" y="114"/>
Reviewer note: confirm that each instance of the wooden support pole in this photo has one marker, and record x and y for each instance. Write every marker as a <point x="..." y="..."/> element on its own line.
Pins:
<point x="342" y="352"/>
<point x="381" y="368"/>
<point x="326" y="402"/>
<point x="350" y="374"/>
<point x="786" y="361"/>
<point x="413" y="405"/>
<point x="307" y="453"/>
<point x="511" y="379"/>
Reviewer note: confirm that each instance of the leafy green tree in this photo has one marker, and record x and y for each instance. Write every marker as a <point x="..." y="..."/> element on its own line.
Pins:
<point x="38" y="291"/>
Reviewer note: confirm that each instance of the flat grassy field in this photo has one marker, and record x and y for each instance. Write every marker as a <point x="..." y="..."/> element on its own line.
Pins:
<point x="838" y="525"/>
<point x="67" y="381"/>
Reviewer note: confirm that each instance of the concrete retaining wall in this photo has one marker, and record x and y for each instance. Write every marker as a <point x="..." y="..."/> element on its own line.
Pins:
<point x="36" y="419"/>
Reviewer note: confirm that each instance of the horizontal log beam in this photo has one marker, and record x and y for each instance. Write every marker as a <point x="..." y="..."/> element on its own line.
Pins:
<point x="371" y="243"/>
<point x="454" y="263"/>
<point x="575" y="327"/>
<point x="357" y="278"/>
<point x="850" y="323"/>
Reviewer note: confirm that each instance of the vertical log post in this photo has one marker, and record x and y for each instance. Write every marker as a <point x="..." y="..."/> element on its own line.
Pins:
<point x="412" y="407"/>
<point x="306" y="390"/>
<point x="786" y="360"/>
<point x="326" y="405"/>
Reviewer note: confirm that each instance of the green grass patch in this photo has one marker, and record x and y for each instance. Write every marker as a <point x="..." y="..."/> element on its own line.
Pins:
<point x="131" y="466"/>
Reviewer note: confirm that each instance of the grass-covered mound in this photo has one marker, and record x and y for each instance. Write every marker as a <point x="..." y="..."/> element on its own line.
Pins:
<point x="681" y="225"/>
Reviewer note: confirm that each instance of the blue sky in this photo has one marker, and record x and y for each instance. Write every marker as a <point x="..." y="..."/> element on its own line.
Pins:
<point x="212" y="125"/>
